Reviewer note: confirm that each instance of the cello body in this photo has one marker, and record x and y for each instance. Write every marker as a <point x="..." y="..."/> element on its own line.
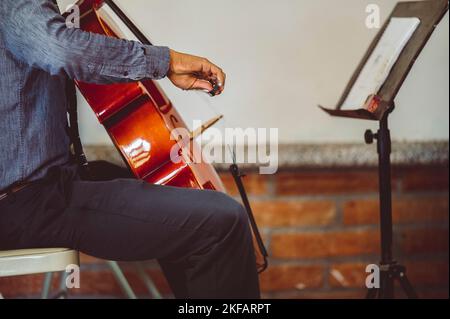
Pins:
<point x="141" y="121"/>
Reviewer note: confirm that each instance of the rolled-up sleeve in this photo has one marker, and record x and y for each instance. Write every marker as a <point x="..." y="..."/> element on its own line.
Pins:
<point x="36" y="34"/>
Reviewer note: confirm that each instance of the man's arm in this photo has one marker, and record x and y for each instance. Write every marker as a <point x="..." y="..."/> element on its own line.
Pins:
<point x="37" y="34"/>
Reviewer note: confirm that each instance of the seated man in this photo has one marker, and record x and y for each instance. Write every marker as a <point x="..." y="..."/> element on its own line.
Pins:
<point x="201" y="238"/>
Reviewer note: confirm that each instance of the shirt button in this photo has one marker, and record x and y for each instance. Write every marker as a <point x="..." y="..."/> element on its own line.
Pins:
<point x="156" y="74"/>
<point x="126" y="73"/>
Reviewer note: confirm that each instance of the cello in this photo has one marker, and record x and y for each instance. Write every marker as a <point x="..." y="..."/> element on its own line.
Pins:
<point x="141" y="121"/>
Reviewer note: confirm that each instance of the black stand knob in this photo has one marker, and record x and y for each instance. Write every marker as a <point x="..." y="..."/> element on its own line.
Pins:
<point x="369" y="136"/>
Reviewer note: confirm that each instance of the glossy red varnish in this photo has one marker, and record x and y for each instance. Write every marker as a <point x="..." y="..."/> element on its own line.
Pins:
<point x="141" y="130"/>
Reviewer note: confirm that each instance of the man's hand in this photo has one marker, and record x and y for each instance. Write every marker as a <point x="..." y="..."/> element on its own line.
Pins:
<point x="189" y="72"/>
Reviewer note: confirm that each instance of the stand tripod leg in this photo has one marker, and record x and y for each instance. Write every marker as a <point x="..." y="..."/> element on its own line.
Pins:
<point x="407" y="287"/>
<point x="387" y="283"/>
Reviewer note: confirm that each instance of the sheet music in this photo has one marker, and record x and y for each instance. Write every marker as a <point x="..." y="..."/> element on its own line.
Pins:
<point x="396" y="36"/>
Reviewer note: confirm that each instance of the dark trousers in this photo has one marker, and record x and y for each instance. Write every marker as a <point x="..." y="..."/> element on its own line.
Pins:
<point x="201" y="239"/>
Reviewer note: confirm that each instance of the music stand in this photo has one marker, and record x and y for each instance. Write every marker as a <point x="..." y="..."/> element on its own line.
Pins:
<point x="421" y="19"/>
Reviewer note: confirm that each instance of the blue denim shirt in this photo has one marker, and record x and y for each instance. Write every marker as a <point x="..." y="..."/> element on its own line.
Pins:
<point x="37" y="52"/>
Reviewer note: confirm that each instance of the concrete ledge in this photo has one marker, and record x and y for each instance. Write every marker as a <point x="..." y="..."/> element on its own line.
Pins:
<point x="327" y="155"/>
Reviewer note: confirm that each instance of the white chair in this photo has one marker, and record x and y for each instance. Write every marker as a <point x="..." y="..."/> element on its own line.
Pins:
<point x="37" y="261"/>
<point x="49" y="261"/>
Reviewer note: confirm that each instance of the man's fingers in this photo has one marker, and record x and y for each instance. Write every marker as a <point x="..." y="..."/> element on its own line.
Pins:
<point x="211" y="71"/>
<point x="202" y="85"/>
<point x="219" y="75"/>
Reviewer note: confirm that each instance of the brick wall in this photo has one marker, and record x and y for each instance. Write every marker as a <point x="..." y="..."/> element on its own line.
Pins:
<point x="321" y="230"/>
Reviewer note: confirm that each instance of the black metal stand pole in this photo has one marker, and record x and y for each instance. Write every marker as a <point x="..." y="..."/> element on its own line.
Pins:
<point x="389" y="269"/>
<point x="235" y="171"/>
<point x="384" y="153"/>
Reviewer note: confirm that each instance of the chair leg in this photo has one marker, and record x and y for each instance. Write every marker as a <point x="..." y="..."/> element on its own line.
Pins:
<point x="46" y="285"/>
<point x="122" y="280"/>
<point x="63" y="291"/>
<point x="148" y="282"/>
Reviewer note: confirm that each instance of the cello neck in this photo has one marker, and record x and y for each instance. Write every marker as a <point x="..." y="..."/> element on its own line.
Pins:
<point x="133" y="28"/>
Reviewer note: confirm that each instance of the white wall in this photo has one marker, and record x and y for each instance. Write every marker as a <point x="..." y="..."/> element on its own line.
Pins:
<point x="285" y="57"/>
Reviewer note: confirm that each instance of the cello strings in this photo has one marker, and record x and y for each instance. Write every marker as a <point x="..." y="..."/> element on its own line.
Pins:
<point x="225" y="123"/>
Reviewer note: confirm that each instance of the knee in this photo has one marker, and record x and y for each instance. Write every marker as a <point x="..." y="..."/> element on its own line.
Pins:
<point x="231" y="216"/>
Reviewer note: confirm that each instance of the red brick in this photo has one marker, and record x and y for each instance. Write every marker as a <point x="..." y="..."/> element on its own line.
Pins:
<point x="404" y="210"/>
<point x="424" y="178"/>
<point x="316" y="245"/>
<point x="86" y="259"/>
<point x="427" y="240"/>
<point x="349" y="275"/>
<point x="93" y="283"/>
<point x="433" y="294"/>
<point x="326" y="182"/>
<point x="280" y="213"/>
<point x="97" y="283"/>
<point x="27" y="286"/>
<point x="433" y="273"/>
<point x="103" y="282"/>
<point x="21" y="286"/>
<point x="288" y="277"/>
<point x="254" y="183"/>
